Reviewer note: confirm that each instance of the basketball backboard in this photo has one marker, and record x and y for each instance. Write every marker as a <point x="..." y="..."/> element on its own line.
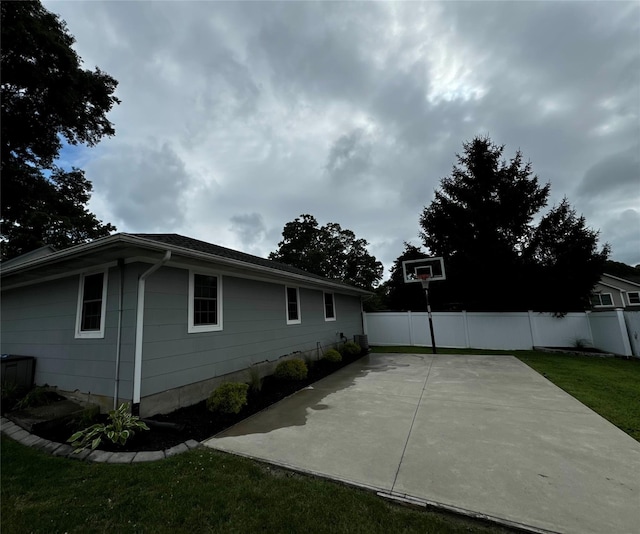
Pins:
<point x="424" y="269"/>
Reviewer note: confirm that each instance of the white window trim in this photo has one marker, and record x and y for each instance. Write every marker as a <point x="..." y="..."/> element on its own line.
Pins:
<point x="604" y="305"/>
<point x="286" y="305"/>
<point x="197" y="328"/>
<point x="92" y="334"/>
<point x="629" y="298"/>
<point x="324" y="305"/>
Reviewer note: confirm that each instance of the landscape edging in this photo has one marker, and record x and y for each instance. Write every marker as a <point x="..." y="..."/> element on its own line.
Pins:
<point x="15" y="432"/>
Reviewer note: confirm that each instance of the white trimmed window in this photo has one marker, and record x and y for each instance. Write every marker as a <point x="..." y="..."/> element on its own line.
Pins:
<point x="329" y="307"/>
<point x="292" y="295"/>
<point x="601" y="299"/>
<point x="92" y="303"/>
<point x="633" y="297"/>
<point x="205" y="302"/>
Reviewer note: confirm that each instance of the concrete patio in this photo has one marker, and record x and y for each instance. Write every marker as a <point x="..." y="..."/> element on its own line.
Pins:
<point x="485" y="435"/>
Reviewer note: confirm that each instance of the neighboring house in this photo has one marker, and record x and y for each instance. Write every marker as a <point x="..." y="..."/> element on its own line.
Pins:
<point x="613" y="292"/>
<point x="160" y="320"/>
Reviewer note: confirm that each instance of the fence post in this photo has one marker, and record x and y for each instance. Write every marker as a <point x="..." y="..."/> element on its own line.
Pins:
<point x="365" y="326"/>
<point x="465" y="322"/>
<point x="410" y="328"/>
<point x="533" y="328"/>
<point x="587" y="315"/>
<point x="624" y="333"/>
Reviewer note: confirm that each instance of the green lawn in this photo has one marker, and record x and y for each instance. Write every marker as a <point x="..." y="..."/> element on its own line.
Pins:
<point x="199" y="491"/>
<point x="208" y="491"/>
<point x="609" y="386"/>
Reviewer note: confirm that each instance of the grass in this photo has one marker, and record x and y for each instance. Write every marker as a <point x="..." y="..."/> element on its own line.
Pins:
<point x="609" y="386"/>
<point x="199" y="491"/>
<point x="208" y="491"/>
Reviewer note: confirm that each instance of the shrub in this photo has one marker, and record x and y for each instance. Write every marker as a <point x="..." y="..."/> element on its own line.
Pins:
<point x="11" y="393"/>
<point x="291" y="370"/>
<point x="255" y="382"/>
<point x="333" y="356"/>
<point x="122" y="426"/>
<point x="351" y="348"/>
<point x="38" y="396"/>
<point x="228" y="398"/>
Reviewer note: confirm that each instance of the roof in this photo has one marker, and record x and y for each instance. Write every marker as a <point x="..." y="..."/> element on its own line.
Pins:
<point x="177" y="240"/>
<point x="136" y="245"/>
<point x="37" y="253"/>
<point x="633" y="280"/>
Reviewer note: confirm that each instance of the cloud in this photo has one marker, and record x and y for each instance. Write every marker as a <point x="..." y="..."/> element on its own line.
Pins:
<point x="620" y="173"/>
<point x="142" y="187"/>
<point x="623" y="235"/>
<point x="236" y="117"/>
<point x="249" y="228"/>
<point x="349" y="157"/>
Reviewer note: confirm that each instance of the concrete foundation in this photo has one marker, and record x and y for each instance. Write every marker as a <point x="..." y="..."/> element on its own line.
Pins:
<point x="173" y="399"/>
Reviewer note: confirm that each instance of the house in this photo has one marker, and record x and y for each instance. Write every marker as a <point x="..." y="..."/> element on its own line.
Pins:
<point x="613" y="292"/>
<point x="159" y="320"/>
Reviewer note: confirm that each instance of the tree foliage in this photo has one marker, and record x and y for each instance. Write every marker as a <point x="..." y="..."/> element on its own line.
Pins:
<point x="47" y="99"/>
<point x="327" y="251"/>
<point x="481" y="222"/>
<point x="563" y="260"/>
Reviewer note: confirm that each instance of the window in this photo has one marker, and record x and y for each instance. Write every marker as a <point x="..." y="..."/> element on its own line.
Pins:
<point x="633" y="297"/>
<point x="329" y="307"/>
<point x="92" y="299"/>
<point x="601" y="299"/>
<point x="293" y="305"/>
<point x="205" y="303"/>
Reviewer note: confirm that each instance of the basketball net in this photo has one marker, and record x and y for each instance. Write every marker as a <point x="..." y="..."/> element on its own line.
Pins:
<point x="425" y="278"/>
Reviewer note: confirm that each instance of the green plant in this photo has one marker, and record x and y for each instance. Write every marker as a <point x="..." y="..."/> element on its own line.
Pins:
<point x="351" y="348"/>
<point x="38" y="396"/>
<point x="84" y="419"/>
<point x="291" y="370"/>
<point x="255" y="382"/>
<point x="122" y="426"/>
<point x="228" y="398"/>
<point x="580" y="343"/>
<point x="10" y="393"/>
<point x="333" y="356"/>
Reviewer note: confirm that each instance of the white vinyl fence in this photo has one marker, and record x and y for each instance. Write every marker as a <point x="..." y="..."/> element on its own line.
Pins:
<point x="611" y="331"/>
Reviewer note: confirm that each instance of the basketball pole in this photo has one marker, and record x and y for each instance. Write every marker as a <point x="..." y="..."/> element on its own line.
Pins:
<point x="425" y="285"/>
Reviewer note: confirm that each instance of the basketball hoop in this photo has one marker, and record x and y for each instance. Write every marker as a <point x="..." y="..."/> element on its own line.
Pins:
<point x="424" y="270"/>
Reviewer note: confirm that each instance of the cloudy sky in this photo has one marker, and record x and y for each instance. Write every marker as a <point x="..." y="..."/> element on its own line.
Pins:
<point x="238" y="117"/>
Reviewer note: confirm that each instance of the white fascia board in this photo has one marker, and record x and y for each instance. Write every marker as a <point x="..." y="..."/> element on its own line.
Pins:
<point x="277" y="273"/>
<point x="183" y="251"/>
<point x="620" y="280"/>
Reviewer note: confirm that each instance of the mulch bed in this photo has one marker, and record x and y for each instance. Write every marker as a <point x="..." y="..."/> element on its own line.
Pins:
<point x="198" y="423"/>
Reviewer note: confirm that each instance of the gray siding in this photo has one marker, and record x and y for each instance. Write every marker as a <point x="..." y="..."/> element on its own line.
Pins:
<point x="39" y="320"/>
<point x="254" y="329"/>
<point x="618" y="290"/>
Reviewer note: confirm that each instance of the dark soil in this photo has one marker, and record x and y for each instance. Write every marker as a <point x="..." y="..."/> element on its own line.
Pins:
<point x="589" y="350"/>
<point x="196" y="422"/>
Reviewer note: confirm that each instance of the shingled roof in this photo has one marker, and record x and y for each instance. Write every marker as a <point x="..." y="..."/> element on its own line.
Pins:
<point x="176" y="240"/>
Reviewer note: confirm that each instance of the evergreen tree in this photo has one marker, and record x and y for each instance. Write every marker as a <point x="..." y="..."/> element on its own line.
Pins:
<point x="481" y="222"/>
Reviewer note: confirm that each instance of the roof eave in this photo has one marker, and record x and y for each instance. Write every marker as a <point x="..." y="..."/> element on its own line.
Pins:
<point x="184" y="251"/>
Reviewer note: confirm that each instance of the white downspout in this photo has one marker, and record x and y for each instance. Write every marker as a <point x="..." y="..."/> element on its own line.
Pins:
<point x="116" y="392"/>
<point x="137" y="364"/>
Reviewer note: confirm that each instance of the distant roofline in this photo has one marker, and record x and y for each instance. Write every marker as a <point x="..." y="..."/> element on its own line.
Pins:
<point x="626" y="280"/>
<point x="40" y="252"/>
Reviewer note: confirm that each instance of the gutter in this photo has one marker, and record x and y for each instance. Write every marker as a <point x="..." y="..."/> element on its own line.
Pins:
<point x="116" y="392"/>
<point x="149" y="244"/>
<point x="137" y="365"/>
